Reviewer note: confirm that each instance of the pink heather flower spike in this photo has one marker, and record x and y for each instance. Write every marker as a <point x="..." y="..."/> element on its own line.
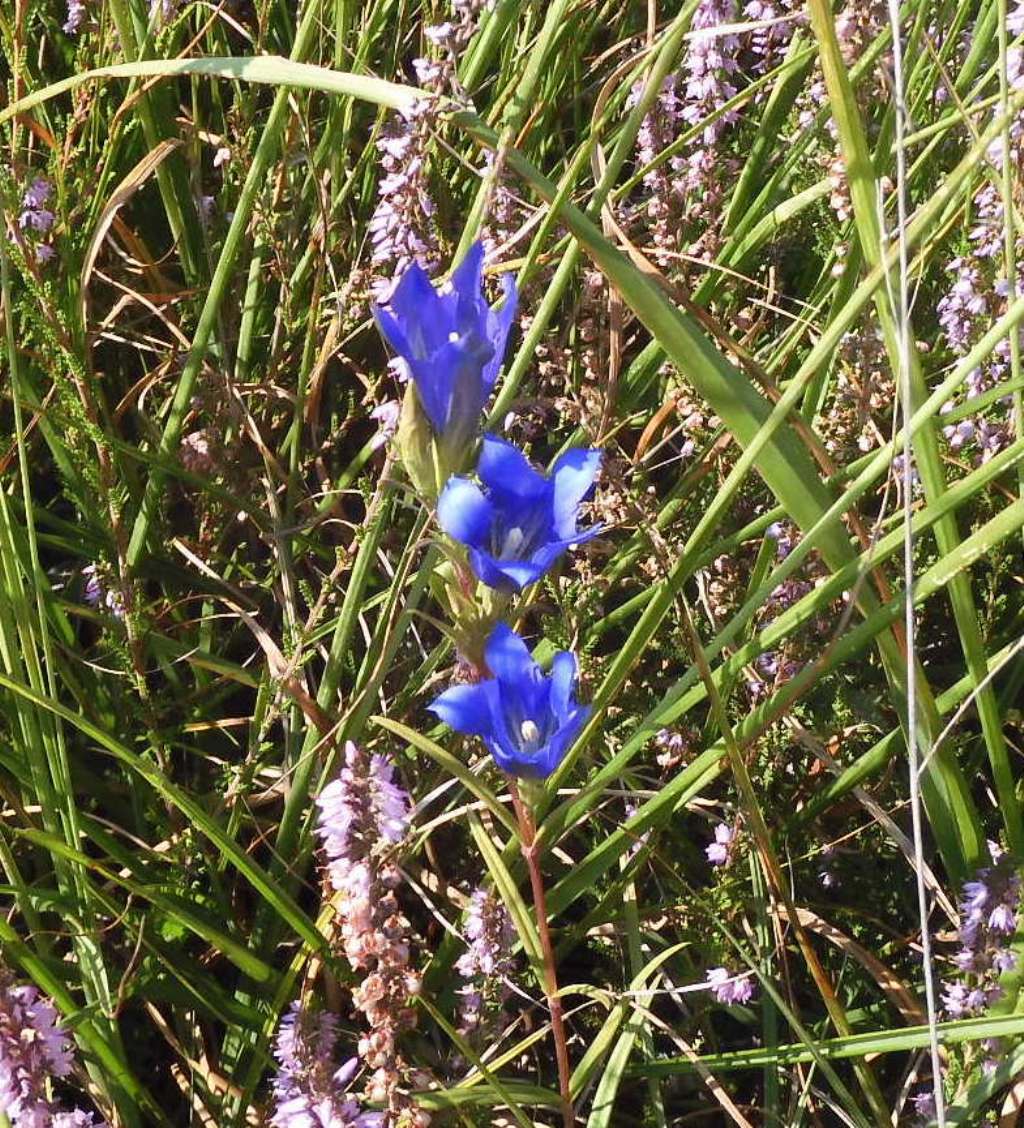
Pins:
<point x="76" y="1118"/>
<point x="924" y="1105"/>
<point x="309" y="1089"/>
<point x="387" y="415"/>
<point x="38" y="193"/>
<point x="729" y="987"/>
<point x="363" y="814"/>
<point x="989" y="909"/>
<point x="487" y="961"/>
<point x="33" y="1050"/>
<point x="99" y="594"/>
<point x="35" y="215"/>
<point x="403" y="230"/>
<point x="719" y="850"/>
<point x="75" y="17"/>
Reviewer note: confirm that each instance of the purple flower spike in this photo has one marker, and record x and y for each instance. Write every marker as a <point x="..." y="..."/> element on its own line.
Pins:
<point x="730" y="988"/>
<point x="924" y="1105"/>
<point x="489" y="934"/>
<point x="359" y="805"/>
<point x="526" y="720"/>
<point x="522" y="521"/>
<point x="76" y="1118"/>
<point x="309" y="1088"/>
<point x="34" y="1049"/>
<point x="718" y="851"/>
<point x="38" y="193"/>
<point x="75" y="16"/>
<point x="452" y="341"/>
<point x="989" y="908"/>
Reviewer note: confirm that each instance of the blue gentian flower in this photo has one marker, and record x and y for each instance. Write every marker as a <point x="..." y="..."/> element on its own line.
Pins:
<point x="452" y="341"/>
<point x="522" y="521"/>
<point x="526" y="720"/>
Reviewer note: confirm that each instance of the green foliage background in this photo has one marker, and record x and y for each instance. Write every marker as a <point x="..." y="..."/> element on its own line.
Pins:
<point x="157" y="770"/>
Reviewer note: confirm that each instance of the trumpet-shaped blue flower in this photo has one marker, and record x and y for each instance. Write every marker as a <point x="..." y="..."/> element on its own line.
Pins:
<point x="452" y="341"/>
<point x="522" y="521"/>
<point x="526" y="720"/>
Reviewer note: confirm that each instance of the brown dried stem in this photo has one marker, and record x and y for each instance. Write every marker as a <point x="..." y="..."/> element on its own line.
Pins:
<point x="528" y="846"/>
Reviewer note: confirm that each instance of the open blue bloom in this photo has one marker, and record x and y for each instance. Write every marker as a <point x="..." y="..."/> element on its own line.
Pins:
<point x="526" y="720"/>
<point x="452" y="341"/>
<point x="522" y="521"/>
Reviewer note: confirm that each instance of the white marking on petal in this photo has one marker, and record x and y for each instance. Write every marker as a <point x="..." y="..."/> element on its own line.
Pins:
<point x="530" y="733"/>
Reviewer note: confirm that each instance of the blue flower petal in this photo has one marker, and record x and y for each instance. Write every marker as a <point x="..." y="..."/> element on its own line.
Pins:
<point x="505" y="575"/>
<point x="433" y="382"/>
<point x="522" y="573"/>
<point x="490" y="571"/>
<point x="508" y="657"/>
<point x="573" y="476"/>
<point x="499" y="323"/>
<point x="452" y="342"/>
<point x="563" y="678"/>
<point x="560" y="743"/>
<point x="547" y="554"/>
<point x="499" y="740"/>
<point x="467" y="280"/>
<point x="416" y="306"/>
<point x="500" y="709"/>
<point x="506" y="758"/>
<point x="448" y="381"/>
<point x="391" y="331"/>
<point x="550" y="756"/>
<point x="579" y="536"/>
<point x="468" y="392"/>
<point x="466" y="708"/>
<point x="463" y="512"/>
<point x="505" y="469"/>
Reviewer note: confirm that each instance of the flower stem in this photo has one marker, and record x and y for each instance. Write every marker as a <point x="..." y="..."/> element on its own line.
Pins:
<point x="528" y="846"/>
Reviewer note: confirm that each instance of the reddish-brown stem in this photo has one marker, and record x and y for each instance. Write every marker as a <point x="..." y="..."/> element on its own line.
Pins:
<point x="528" y="846"/>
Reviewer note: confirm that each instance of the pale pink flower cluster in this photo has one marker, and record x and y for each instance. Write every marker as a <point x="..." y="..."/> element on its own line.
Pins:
<point x="979" y="287"/>
<point x="719" y="852"/>
<point x="402" y="227"/>
<point x="363" y="814"/>
<point x="75" y="17"/>
<point x="309" y="1089"/>
<point x="989" y="910"/>
<point x="34" y="1049"/>
<point x="197" y="451"/>
<point x="730" y="988"/>
<point x="684" y="195"/>
<point x="487" y="961"/>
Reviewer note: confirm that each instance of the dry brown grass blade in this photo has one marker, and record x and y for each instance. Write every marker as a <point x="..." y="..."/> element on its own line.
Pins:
<point x="280" y="669"/>
<point x="136" y="247"/>
<point x="215" y="1082"/>
<point x="27" y="430"/>
<point x="119" y="197"/>
<point x="1013" y="1104"/>
<point x="901" y="997"/>
<point x="655" y="424"/>
<point x="314" y="390"/>
<point x="714" y="1087"/>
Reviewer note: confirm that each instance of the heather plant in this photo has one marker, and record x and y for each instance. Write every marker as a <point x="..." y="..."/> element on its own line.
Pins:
<point x="511" y="540"/>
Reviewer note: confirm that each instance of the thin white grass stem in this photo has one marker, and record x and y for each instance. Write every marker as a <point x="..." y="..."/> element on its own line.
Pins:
<point x="902" y="318"/>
